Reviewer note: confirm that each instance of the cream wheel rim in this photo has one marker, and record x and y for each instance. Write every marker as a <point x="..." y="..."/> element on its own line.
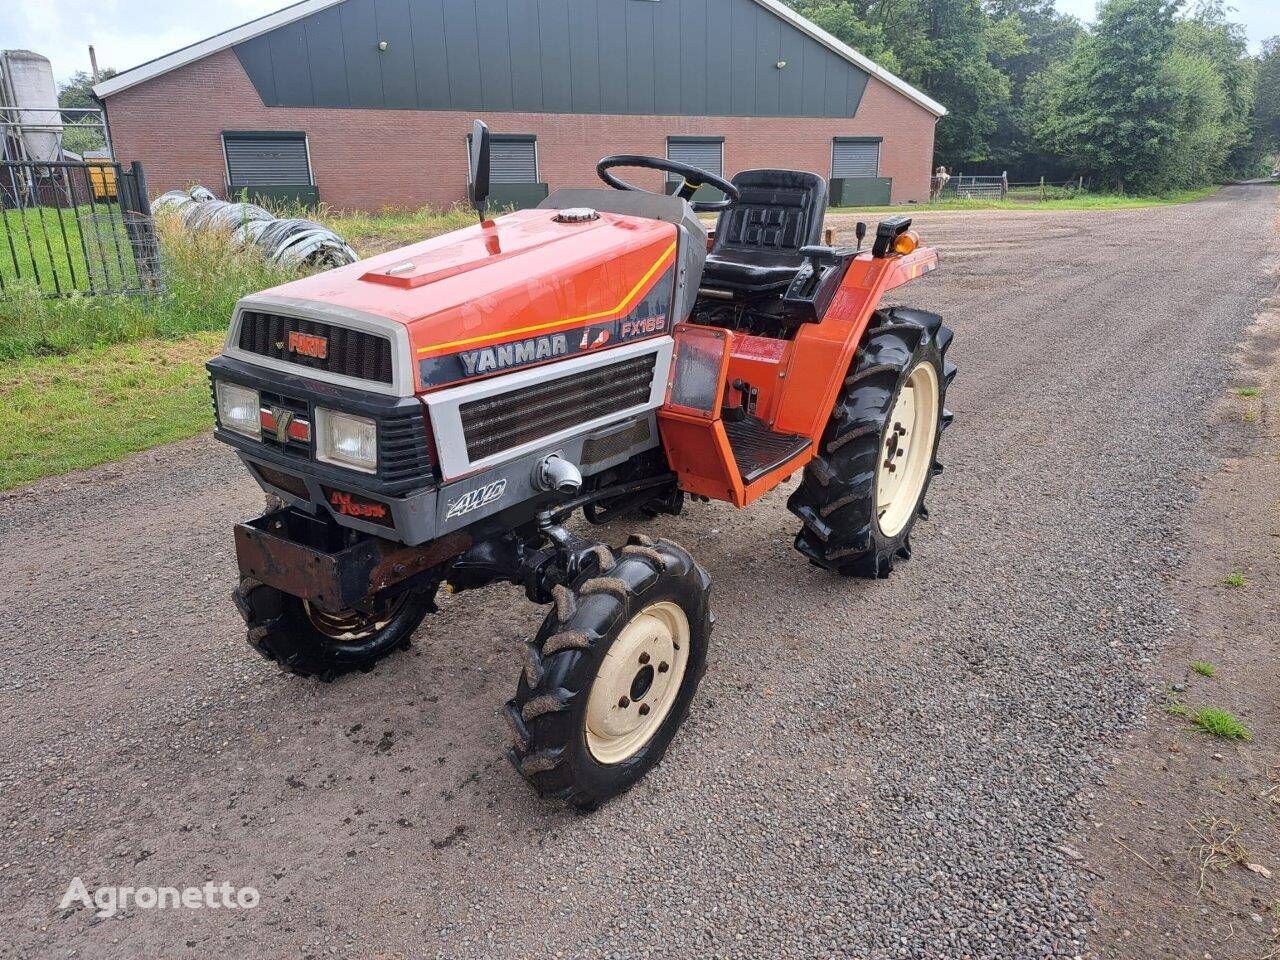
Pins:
<point x="637" y="683"/>
<point x="906" y="450"/>
<point x="352" y="626"/>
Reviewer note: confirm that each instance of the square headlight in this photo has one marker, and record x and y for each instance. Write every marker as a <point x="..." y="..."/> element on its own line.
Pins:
<point x="239" y="409"/>
<point x="346" y="441"/>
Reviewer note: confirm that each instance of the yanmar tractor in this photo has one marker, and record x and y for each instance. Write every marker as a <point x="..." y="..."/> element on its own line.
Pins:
<point x="432" y="417"/>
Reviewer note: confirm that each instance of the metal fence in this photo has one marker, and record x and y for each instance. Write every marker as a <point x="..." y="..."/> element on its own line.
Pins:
<point x="971" y="187"/>
<point x="76" y="227"/>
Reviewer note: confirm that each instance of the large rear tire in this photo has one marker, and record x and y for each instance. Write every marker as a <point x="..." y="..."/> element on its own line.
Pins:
<point x="611" y="674"/>
<point x="862" y="494"/>
<point x="311" y="642"/>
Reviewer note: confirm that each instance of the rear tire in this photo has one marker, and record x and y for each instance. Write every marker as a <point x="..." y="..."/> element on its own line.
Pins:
<point x="611" y="674"/>
<point x="861" y="495"/>
<point x="311" y="642"/>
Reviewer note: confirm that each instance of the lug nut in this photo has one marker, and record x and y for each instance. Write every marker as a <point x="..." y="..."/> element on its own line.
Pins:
<point x="663" y="667"/>
<point x="624" y="702"/>
<point x="644" y="709"/>
<point x="644" y="658"/>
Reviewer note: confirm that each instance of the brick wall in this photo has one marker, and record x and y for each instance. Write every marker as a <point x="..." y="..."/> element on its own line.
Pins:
<point x="406" y="158"/>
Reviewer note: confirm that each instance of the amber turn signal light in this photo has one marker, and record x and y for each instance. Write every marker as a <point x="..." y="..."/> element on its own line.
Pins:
<point x="906" y="243"/>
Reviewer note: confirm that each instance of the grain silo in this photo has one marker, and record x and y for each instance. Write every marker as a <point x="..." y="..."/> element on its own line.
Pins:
<point x="29" y="96"/>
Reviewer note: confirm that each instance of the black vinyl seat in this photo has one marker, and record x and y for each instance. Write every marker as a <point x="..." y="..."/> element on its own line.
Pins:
<point x="758" y="239"/>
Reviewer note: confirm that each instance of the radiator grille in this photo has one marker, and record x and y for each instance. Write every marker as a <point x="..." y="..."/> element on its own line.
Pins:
<point x="494" y="424"/>
<point x="351" y="353"/>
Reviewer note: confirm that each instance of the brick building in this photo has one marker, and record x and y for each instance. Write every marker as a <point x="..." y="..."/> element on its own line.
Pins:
<point x="367" y="103"/>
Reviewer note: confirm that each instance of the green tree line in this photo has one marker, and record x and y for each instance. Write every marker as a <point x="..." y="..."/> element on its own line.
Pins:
<point x="1158" y="95"/>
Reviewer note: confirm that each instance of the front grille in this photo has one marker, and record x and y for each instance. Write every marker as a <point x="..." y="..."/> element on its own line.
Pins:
<point x="495" y="424"/>
<point x="351" y="353"/>
<point x="291" y="446"/>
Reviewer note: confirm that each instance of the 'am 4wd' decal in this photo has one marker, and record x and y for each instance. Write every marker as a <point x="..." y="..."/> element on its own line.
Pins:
<point x="477" y="498"/>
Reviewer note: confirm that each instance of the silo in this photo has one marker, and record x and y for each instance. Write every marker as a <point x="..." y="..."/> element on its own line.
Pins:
<point x="28" y="79"/>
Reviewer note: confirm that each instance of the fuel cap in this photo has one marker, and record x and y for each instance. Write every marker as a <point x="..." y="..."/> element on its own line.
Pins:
<point x="576" y="215"/>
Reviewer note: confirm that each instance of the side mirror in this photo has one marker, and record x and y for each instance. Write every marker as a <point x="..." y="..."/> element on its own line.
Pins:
<point x="478" y="188"/>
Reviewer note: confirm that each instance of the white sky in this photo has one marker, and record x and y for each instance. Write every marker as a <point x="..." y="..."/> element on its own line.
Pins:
<point x="129" y="32"/>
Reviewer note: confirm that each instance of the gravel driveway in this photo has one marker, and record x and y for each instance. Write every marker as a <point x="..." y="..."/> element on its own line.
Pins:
<point x="871" y="769"/>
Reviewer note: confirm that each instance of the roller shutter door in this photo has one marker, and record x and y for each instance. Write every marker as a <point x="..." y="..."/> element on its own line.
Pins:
<point x="267" y="160"/>
<point x="855" y="158"/>
<point x="705" y="154"/>
<point x="513" y="160"/>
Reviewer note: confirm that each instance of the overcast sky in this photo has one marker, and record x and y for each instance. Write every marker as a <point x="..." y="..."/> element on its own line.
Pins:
<point x="129" y="32"/>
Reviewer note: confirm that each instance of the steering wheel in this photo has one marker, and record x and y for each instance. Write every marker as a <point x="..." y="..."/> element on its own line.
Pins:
<point x="693" y="179"/>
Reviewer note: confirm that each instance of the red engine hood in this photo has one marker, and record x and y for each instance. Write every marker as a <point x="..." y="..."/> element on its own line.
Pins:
<point x="520" y="290"/>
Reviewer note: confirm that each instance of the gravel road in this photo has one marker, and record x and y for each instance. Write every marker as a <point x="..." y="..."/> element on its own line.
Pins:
<point x="871" y="769"/>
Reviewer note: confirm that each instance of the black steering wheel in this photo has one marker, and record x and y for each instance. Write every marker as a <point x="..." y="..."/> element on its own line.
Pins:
<point x="693" y="179"/>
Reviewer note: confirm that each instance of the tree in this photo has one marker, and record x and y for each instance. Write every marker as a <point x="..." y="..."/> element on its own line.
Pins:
<point x="1267" y="111"/>
<point x="77" y="94"/>
<point x="1048" y="39"/>
<point x="962" y="77"/>
<point x="1111" y="111"/>
<point x="1223" y="50"/>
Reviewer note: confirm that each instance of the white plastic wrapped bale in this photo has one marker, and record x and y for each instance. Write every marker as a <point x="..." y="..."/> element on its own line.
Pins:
<point x="290" y="241"/>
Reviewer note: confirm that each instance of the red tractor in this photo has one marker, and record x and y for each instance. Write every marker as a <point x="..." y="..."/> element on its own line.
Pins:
<point x="433" y="416"/>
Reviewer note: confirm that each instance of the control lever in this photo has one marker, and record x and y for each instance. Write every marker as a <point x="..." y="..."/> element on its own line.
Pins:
<point x="818" y="257"/>
<point x="747" y="395"/>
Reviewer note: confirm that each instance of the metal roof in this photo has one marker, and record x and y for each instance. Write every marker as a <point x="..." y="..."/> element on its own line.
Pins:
<point x="246" y="31"/>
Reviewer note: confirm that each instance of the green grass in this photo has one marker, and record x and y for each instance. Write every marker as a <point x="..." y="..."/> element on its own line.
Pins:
<point x="65" y="413"/>
<point x="1204" y="668"/>
<point x="376" y="233"/>
<point x="46" y="248"/>
<point x="86" y="380"/>
<point x="1248" y="392"/>
<point x="1234" y="579"/>
<point x="204" y="276"/>
<point x="1221" y="723"/>
<point x="1083" y="201"/>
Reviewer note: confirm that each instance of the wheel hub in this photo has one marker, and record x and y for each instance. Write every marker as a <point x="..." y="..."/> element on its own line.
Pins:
<point x="637" y="682"/>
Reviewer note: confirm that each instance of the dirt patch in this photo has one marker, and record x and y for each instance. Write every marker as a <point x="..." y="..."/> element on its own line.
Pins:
<point x="1185" y="834"/>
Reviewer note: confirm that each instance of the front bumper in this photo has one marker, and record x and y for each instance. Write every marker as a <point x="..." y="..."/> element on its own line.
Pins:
<point x="298" y="555"/>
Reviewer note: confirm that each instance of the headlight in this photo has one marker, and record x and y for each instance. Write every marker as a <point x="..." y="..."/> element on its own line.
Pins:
<point x="239" y="409"/>
<point x="346" y="441"/>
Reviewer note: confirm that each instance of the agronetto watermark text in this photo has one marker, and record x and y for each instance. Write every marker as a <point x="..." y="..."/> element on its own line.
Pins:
<point x="107" y="901"/>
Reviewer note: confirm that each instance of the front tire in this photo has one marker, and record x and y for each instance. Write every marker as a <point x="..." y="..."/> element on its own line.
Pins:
<point x="611" y="674"/>
<point x="310" y="642"/>
<point x="862" y="494"/>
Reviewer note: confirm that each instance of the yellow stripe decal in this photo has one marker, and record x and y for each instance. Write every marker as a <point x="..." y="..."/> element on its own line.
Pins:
<point x="625" y="304"/>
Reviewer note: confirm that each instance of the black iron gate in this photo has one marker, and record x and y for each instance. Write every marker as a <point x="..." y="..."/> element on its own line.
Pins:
<point x="76" y="227"/>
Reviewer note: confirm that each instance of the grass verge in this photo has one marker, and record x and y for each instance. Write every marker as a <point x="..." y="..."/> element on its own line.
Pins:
<point x="65" y="413"/>
<point x="1084" y="201"/>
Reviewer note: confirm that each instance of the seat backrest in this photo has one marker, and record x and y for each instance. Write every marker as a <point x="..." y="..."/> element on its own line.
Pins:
<point x="778" y="211"/>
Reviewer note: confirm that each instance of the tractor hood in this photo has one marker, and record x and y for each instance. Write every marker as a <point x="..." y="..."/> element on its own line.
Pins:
<point x="526" y="288"/>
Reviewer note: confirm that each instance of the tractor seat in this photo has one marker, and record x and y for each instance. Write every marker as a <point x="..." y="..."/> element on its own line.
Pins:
<point x="758" y="239"/>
